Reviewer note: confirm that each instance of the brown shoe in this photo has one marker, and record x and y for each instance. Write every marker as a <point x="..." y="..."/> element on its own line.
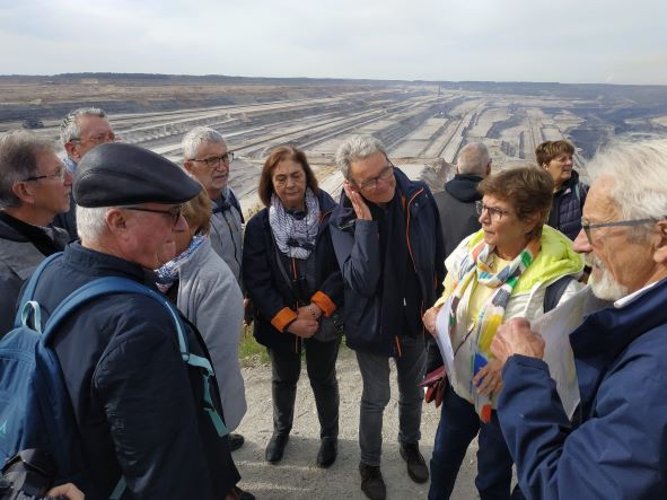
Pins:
<point x="372" y="483"/>
<point x="417" y="469"/>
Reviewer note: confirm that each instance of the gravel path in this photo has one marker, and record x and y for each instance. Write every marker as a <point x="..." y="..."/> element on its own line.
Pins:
<point x="297" y="476"/>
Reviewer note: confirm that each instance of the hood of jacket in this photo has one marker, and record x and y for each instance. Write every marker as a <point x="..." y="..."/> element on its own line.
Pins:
<point x="556" y="258"/>
<point x="463" y="187"/>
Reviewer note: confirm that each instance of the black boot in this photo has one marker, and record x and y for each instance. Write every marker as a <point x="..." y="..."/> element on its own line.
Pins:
<point x="235" y="441"/>
<point x="276" y="448"/>
<point x="372" y="483"/>
<point x="417" y="469"/>
<point x="328" y="451"/>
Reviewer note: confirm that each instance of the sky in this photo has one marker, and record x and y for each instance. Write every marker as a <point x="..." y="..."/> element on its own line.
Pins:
<point x="568" y="41"/>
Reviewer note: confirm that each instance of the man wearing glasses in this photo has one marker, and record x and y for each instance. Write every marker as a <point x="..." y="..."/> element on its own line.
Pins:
<point x="80" y="131"/>
<point x="207" y="159"/>
<point x="620" y="448"/>
<point x="137" y="404"/>
<point x="34" y="187"/>
<point x="387" y="239"/>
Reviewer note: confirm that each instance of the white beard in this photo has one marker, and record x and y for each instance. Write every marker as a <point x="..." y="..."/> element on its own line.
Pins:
<point x="603" y="284"/>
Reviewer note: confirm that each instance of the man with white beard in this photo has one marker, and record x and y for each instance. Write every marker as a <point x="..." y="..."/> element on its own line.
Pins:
<point x="620" y="448"/>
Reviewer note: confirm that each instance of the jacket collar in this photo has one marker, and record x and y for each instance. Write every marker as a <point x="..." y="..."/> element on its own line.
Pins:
<point x="604" y="334"/>
<point x="95" y="263"/>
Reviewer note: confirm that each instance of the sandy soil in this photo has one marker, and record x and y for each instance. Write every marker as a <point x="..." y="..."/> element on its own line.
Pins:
<point x="297" y="476"/>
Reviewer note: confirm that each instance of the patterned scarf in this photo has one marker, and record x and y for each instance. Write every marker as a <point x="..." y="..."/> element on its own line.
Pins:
<point x="295" y="236"/>
<point x="167" y="274"/>
<point x="477" y="264"/>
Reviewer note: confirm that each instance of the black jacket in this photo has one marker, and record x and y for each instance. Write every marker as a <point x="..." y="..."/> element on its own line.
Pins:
<point x="274" y="299"/>
<point x="357" y="246"/>
<point x="456" y="206"/>
<point x="19" y="255"/>
<point x="567" y="207"/>
<point x="137" y="404"/>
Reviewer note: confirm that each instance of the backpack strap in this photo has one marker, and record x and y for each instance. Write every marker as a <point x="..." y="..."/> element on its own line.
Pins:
<point x="554" y="292"/>
<point x="29" y="293"/>
<point x="108" y="285"/>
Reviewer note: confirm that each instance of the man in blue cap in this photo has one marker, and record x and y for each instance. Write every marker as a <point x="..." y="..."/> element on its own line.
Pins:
<point x="136" y="402"/>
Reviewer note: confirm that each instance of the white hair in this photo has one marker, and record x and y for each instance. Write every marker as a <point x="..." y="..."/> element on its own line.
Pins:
<point x="639" y="172"/>
<point x="195" y="137"/>
<point x="357" y="147"/>
<point x="473" y="159"/>
<point x="69" y="127"/>
<point x="91" y="222"/>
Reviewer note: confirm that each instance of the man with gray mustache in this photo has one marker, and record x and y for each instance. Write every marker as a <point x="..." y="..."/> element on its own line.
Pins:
<point x="619" y="450"/>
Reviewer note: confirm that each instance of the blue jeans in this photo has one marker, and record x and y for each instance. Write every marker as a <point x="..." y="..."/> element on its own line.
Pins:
<point x="376" y="392"/>
<point x="459" y="424"/>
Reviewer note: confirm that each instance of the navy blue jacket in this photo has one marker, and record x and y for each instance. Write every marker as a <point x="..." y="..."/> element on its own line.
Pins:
<point x="274" y="300"/>
<point x="357" y="247"/>
<point x="620" y="448"/>
<point x="137" y="404"/>
<point x="567" y="207"/>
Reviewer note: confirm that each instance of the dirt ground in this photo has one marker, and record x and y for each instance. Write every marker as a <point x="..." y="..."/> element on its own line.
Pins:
<point x="297" y="476"/>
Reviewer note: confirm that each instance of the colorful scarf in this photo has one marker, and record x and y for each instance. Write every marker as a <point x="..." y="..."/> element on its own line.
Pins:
<point x="295" y="236"/>
<point x="168" y="272"/>
<point x="477" y="264"/>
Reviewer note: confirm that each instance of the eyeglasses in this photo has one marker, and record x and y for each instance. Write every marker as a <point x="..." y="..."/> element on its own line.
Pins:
<point x="174" y="213"/>
<point x="371" y="184"/>
<point x="98" y="139"/>
<point x="494" y="213"/>
<point x="620" y="223"/>
<point x="214" y="161"/>
<point x="60" y="174"/>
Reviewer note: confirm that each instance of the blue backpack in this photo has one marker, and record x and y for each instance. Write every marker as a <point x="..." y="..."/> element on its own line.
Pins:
<point x="35" y="408"/>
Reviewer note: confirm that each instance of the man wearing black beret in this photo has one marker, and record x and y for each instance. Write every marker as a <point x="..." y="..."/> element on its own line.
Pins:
<point x="137" y="403"/>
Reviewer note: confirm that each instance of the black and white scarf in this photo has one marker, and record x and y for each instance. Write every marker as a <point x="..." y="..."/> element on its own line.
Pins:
<point x="294" y="235"/>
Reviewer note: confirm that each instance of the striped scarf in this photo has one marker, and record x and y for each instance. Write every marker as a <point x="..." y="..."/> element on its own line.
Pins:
<point x="477" y="264"/>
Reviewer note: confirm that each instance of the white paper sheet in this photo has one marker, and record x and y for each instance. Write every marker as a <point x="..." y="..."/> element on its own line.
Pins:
<point x="555" y="327"/>
<point x="444" y="342"/>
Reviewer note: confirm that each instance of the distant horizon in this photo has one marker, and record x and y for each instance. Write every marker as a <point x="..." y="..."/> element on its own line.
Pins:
<point x="577" y="43"/>
<point x="332" y="78"/>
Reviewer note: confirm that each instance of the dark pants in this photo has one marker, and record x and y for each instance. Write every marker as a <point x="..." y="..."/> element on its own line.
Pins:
<point x="459" y="424"/>
<point x="321" y="367"/>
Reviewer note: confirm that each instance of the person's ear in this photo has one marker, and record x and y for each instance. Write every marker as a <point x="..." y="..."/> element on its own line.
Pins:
<point x="187" y="165"/>
<point x="660" y="254"/>
<point x="116" y="220"/>
<point x="23" y="192"/>
<point x="72" y="150"/>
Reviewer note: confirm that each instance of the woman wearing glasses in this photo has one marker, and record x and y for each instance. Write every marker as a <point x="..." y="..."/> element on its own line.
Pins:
<point x="205" y="290"/>
<point x="569" y="193"/>
<point x="497" y="273"/>
<point x="291" y="276"/>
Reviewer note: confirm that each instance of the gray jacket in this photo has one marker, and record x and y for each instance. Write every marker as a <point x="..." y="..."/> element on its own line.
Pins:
<point x="227" y="238"/>
<point x="209" y="296"/>
<point x="18" y="259"/>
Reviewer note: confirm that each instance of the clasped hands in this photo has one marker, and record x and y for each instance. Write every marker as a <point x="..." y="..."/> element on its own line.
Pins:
<point x="307" y="322"/>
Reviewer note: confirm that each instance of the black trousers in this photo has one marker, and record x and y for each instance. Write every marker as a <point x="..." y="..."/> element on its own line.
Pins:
<point x="321" y="368"/>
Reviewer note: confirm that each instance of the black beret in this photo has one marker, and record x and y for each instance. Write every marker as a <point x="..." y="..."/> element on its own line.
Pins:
<point x="122" y="174"/>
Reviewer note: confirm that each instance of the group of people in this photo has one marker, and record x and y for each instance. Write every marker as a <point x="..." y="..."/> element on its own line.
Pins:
<point x="492" y="252"/>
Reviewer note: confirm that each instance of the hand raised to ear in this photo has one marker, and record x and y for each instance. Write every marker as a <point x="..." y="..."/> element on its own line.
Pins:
<point x="358" y="203"/>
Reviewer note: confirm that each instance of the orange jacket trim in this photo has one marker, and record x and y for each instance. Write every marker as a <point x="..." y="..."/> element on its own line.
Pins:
<point x="322" y="300"/>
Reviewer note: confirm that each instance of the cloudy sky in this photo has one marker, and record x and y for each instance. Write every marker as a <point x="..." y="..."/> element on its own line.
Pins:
<point x="571" y="41"/>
